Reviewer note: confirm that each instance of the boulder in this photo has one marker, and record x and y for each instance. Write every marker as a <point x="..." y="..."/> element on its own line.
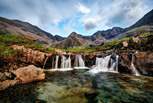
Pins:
<point x="29" y="74"/>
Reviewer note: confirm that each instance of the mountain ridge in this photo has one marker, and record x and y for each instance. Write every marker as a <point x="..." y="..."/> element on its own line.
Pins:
<point x="74" y="39"/>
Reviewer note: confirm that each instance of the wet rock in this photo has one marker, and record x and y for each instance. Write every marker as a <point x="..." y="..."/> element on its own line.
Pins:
<point x="144" y="62"/>
<point x="29" y="74"/>
<point x="7" y="83"/>
<point x="124" y="63"/>
<point x="90" y="60"/>
<point x="30" y="56"/>
<point x="6" y="76"/>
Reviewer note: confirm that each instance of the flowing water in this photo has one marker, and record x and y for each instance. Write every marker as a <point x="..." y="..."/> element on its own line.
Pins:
<point x="133" y="68"/>
<point x="79" y="62"/>
<point x="102" y="65"/>
<point x="79" y="87"/>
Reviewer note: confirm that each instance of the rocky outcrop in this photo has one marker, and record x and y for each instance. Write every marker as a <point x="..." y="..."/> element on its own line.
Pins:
<point x="143" y="62"/>
<point x="124" y="63"/>
<point x="30" y="56"/>
<point x="6" y="76"/>
<point x="29" y="74"/>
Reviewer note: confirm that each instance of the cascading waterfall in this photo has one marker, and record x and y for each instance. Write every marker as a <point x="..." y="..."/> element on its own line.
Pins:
<point x="66" y="62"/>
<point x="56" y="62"/>
<point x="114" y="64"/>
<point x="133" y="68"/>
<point x="102" y="65"/>
<point x="79" y="62"/>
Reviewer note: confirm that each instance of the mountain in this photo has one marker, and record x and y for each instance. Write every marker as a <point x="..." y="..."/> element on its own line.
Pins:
<point x="108" y="34"/>
<point x="28" y="30"/>
<point x="73" y="40"/>
<point x="144" y="25"/>
<point x="145" y="20"/>
<point x="16" y="27"/>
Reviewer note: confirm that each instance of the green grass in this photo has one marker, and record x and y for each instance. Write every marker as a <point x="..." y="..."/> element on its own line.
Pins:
<point x="6" y="40"/>
<point x="80" y="49"/>
<point x="13" y="39"/>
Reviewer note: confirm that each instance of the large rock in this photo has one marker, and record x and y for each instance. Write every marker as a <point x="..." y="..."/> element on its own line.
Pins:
<point x="29" y="74"/>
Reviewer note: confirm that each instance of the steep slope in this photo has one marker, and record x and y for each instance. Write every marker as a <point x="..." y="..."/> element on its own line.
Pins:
<point x="28" y="30"/>
<point x="145" y="20"/>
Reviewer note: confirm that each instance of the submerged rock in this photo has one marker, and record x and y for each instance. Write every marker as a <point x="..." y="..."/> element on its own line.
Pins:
<point x="29" y="74"/>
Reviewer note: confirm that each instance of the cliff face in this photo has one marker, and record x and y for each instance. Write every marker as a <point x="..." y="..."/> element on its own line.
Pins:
<point x="142" y="62"/>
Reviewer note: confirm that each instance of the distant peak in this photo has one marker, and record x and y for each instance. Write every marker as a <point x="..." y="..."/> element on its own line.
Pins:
<point x="73" y="34"/>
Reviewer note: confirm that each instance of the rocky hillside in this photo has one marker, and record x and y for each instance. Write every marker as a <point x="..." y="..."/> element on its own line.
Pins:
<point x="145" y="24"/>
<point x="16" y="27"/>
<point x="145" y="20"/>
<point x="74" y="40"/>
<point x="109" y="34"/>
<point x="27" y="30"/>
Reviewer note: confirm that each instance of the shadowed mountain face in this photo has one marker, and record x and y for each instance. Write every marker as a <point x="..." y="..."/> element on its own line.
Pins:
<point x="17" y="27"/>
<point x="145" y="24"/>
<point x="109" y="34"/>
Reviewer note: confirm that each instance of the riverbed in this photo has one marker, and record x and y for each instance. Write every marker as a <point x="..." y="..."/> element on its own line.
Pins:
<point x="78" y="86"/>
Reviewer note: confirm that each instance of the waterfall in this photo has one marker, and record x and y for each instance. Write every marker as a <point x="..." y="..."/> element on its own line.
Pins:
<point x="79" y="62"/>
<point x="133" y="68"/>
<point x="66" y="62"/>
<point x="102" y="65"/>
<point x="114" y="64"/>
<point x="56" y="62"/>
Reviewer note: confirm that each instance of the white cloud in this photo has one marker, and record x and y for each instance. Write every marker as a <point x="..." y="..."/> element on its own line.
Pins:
<point x="82" y="8"/>
<point x="92" y="14"/>
<point x="117" y="13"/>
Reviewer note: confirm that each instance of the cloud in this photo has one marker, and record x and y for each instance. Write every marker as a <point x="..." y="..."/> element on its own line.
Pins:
<point x="91" y="23"/>
<point x="117" y="13"/>
<point x="79" y="15"/>
<point x="82" y="8"/>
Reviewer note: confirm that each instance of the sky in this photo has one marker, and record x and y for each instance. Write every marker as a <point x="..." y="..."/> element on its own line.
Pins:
<point x="61" y="17"/>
